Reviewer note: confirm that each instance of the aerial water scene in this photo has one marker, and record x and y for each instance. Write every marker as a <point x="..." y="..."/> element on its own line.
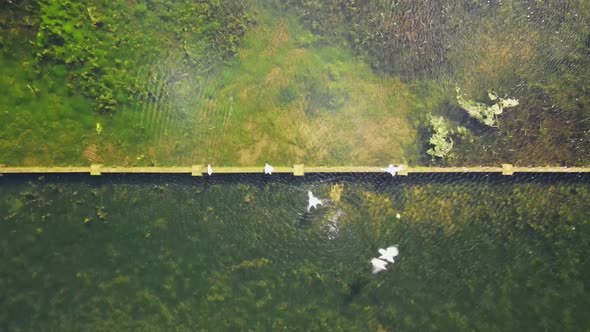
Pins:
<point x="294" y="165"/>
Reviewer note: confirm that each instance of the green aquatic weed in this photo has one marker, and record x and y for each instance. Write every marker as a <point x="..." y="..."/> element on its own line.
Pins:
<point x="483" y="112"/>
<point x="90" y="42"/>
<point x="441" y="142"/>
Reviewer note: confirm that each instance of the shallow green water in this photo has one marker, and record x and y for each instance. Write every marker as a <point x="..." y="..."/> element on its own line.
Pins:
<point x="333" y="82"/>
<point x="238" y="253"/>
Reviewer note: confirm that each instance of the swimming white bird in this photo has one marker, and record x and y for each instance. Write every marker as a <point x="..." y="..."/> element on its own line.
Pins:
<point x="209" y="170"/>
<point x="392" y="169"/>
<point x="389" y="253"/>
<point x="268" y="169"/>
<point x="378" y="265"/>
<point x="313" y="201"/>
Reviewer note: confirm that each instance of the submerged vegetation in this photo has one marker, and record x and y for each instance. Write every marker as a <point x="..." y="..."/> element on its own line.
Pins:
<point x="486" y="114"/>
<point x="331" y="82"/>
<point x="96" y="48"/>
<point x="441" y="142"/>
<point x="182" y="254"/>
<point x="517" y="49"/>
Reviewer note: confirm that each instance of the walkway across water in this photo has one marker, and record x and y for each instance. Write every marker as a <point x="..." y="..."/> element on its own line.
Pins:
<point x="297" y="170"/>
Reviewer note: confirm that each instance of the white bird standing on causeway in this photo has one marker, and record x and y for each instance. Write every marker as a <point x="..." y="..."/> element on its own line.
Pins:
<point x="209" y="169"/>
<point x="268" y="169"/>
<point x="392" y="169"/>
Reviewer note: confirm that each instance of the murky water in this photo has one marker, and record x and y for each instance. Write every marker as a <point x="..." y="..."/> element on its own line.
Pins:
<point x="238" y="253"/>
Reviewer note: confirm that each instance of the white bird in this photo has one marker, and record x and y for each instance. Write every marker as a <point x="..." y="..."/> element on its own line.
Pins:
<point x="268" y="169"/>
<point x="392" y="169"/>
<point x="398" y="216"/>
<point x="313" y="201"/>
<point x="389" y="253"/>
<point x="378" y="265"/>
<point x="209" y="170"/>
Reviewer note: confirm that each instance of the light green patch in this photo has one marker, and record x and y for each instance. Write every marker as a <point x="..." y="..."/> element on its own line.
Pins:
<point x="440" y="141"/>
<point x="487" y="114"/>
<point x="296" y="102"/>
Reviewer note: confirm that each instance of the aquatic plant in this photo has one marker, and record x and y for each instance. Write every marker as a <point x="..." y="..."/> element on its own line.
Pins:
<point x="101" y="213"/>
<point x="99" y="49"/>
<point x="405" y="38"/>
<point x="486" y="114"/>
<point x="250" y="264"/>
<point x="336" y="192"/>
<point x="79" y="56"/>
<point x="441" y="141"/>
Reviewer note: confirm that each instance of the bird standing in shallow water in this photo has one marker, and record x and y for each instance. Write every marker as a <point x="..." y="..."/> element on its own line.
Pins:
<point x="389" y="253"/>
<point x="378" y="265"/>
<point x="313" y="201"/>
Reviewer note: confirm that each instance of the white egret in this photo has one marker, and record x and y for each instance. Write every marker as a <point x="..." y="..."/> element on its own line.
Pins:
<point x="389" y="253"/>
<point x="378" y="265"/>
<point x="313" y="201"/>
<point x="268" y="169"/>
<point x="392" y="169"/>
<point x="209" y="170"/>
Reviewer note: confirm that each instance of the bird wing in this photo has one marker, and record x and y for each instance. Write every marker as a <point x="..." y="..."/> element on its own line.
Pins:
<point x="377" y="269"/>
<point x="378" y="263"/>
<point x="393" y="251"/>
<point x="386" y="257"/>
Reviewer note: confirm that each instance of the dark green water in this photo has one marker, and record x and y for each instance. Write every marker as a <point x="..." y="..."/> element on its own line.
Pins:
<point x="241" y="253"/>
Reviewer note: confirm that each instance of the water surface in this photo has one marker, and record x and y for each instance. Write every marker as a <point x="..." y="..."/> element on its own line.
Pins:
<point x="238" y="253"/>
<point x="242" y="83"/>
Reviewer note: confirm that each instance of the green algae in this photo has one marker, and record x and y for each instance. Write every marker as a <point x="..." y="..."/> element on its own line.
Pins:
<point x="440" y="140"/>
<point x="486" y="114"/>
<point x="314" y="82"/>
